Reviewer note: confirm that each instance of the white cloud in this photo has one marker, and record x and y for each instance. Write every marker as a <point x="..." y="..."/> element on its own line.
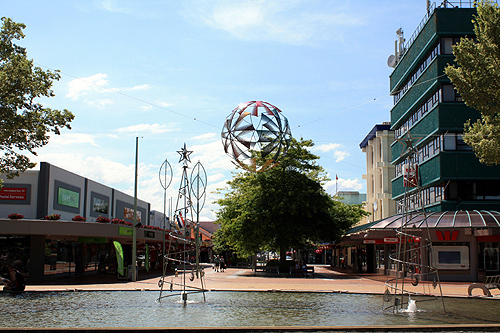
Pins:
<point x="83" y="86"/>
<point x="205" y="137"/>
<point x="327" y="147"/>
<point x="343" y="185"/>
<point x="290" y="22"/>
<point x="139" y="87"/>
<point x="72" y="138"/>
<point x="99" y="103"/>
<point x="340" y="155"/>
<point x="145" y="128"/>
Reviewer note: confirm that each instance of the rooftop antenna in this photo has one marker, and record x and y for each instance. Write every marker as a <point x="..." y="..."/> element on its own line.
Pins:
<point x="399" y="49"/>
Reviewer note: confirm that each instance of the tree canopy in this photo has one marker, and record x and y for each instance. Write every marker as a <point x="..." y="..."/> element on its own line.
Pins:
<point x="477" y="79"/>
<point x="25" y="122"/>
<point x="285" y="207"/>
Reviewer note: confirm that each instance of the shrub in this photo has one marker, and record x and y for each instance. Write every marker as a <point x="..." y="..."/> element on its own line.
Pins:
<point x="15" y="216"/>
<point x="79" y="218"/>
<point x="53" y="217"/>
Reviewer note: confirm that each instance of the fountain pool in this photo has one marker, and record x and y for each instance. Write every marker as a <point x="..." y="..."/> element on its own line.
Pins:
<point x="232" y="309"/>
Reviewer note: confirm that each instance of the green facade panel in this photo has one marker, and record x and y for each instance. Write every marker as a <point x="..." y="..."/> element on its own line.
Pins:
<point x="413" y="55"/>
<point x="464" y="165"/>
<point x="416" y="95"/>
<point x="453" y="116"/>
<point x="443" y="22"/>
<point x="454" y="21"/>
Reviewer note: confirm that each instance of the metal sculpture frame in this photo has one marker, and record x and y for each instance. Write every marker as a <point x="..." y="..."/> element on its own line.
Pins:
<point x="180" y="256"/>
<point x="247" y="142"/>
<point x="407" y="257"/>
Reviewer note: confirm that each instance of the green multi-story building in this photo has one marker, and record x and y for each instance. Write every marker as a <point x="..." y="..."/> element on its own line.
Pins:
<point x="428" y="109"/>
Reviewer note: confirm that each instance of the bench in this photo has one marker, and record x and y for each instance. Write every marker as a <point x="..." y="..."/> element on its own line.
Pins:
<point x="308" y="270"/>
<point x="490" y="282"/>
<point x="270" y="269"/>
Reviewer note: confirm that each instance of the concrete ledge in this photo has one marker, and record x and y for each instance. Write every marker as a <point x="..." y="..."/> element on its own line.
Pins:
<point x="382" y="328"/>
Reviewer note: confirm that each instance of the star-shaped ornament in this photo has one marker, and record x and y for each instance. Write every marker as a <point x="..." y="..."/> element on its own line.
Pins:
<point x="184" y="154"/>
<point x="408" y="143"/>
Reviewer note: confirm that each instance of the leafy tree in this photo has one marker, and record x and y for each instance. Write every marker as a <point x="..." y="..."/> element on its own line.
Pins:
<point x="477" y="79"/>
<point x="282" y="208"/>
<point x="25" y="123"/>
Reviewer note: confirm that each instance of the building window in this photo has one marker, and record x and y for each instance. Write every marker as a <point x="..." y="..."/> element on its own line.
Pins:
<point x="418" y="199"/>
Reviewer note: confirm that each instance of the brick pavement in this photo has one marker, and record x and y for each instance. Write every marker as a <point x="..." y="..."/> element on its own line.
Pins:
<point x="243" y="279"/>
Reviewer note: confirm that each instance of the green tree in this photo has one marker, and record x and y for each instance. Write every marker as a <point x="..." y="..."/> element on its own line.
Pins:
<point x="25" y="123"/>
<point x="477" y="79"/>
<point x="285" y="207"/>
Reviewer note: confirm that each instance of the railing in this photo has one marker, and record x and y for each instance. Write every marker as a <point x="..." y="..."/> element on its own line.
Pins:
<point x="432" y="7"/>
<point x="410" y="41"/>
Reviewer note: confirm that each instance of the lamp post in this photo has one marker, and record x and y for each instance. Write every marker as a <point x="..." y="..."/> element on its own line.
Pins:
<point x="134" y="229"/>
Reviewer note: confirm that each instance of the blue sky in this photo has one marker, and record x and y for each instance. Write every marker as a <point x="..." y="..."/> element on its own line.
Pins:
<point x="171" y="72"/>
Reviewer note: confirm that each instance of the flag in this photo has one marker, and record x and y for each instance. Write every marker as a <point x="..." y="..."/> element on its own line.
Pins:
<point x="336" y="177"/>
<point x="180" y="220"/>
<point x="119" y="258"/>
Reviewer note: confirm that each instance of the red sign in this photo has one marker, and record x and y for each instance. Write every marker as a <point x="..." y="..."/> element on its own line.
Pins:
<point x="13" y="193"/>
<point x="410" y="175"/>
<point x="447" y="235"/>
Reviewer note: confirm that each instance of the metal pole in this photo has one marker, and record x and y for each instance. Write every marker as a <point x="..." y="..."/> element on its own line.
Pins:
<point x="134" y="229"/>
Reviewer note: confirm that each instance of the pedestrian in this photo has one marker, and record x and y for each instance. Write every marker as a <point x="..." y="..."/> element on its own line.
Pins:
<point x="16" y="281"/>
<point x="217" y="263"/>
<point x="222" y="264"/>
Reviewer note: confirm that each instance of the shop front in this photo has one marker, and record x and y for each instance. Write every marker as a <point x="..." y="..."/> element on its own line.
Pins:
<point x="462" y="245"/>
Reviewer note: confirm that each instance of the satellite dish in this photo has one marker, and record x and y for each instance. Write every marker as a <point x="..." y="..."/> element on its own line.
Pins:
<point x="391" y="62"/>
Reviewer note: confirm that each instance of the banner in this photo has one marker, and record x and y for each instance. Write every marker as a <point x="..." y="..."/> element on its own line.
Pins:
<point x="146" y="262"/>
<point x="410" y="175"/>
<point x="119" y="257"/>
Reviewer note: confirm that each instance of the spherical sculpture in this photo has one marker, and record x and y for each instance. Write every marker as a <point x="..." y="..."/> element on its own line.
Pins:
<point x="255" y="135"/>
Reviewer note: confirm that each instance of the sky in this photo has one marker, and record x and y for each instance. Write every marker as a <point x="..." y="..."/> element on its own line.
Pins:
<point x="170" y="72"/>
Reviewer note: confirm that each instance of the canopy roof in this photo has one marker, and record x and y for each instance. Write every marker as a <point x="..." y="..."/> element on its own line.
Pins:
<point x="448" y="219"/>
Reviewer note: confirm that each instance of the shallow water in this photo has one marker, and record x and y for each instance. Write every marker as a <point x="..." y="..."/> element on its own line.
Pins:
<point x="234" y="309"/>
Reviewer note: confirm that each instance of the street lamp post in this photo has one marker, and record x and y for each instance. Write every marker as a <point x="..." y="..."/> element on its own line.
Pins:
<point x="134" y="229"/>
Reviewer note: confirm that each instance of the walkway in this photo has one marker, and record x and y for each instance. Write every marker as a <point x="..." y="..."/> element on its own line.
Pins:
<point x="243" y="279"/>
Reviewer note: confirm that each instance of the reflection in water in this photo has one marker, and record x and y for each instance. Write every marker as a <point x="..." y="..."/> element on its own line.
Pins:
<point x="139" y="309"/>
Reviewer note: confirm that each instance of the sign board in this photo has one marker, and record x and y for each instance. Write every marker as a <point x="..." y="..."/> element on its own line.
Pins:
<point x="391" y="240"/>
<point x="149" y="234"/>
<point x="128" y="213"/>
<point x="410" y="175"/>
<point x="125" y="231"/>
<point x="13" y="193"/>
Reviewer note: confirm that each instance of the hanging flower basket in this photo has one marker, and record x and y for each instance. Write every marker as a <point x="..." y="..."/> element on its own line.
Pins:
<point x="15" y="216"/>
<point x="79" y="218"/>
<point x="53" y="217"/>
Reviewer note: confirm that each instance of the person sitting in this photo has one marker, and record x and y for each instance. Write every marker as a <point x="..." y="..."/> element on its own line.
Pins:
<point x="16" y="282"/>
<point x="304" y="269"/>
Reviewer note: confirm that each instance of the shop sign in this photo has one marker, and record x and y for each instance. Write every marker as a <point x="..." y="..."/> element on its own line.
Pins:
<point x="391" y="240"/>
<point x="13" y="193"/>
<point x="149" y="234"/>
<point x="92" y="240"/>
<point x="125" y="231"/>
<point x="373" y="241"/>
<point x="447" y="235"/>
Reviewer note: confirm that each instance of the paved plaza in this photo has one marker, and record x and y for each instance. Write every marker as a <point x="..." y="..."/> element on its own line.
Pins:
<point x="244" y="279"/>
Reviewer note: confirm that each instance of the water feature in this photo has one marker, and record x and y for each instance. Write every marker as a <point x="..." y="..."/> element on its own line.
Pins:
<point x="139" y="309"/>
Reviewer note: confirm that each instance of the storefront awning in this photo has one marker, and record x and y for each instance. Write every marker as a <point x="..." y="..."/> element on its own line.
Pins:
<point x="448" y="219"/>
